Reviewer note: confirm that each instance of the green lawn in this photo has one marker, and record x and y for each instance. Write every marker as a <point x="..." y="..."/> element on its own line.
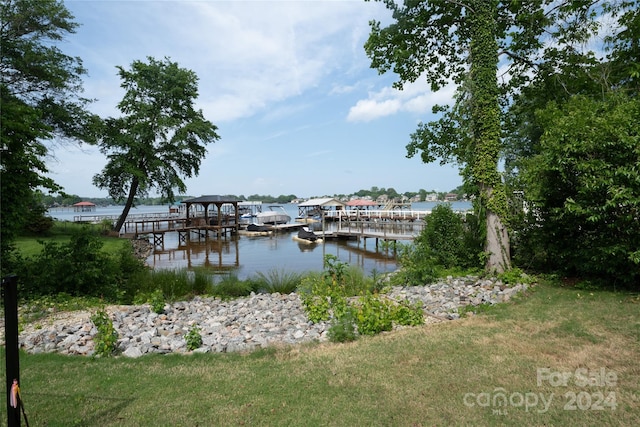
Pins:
<point x="444" y="374"/>
<point x="61" y="232"/>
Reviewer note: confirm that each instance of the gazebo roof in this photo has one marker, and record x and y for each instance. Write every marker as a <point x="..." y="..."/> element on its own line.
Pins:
<point x="84" y="204"/>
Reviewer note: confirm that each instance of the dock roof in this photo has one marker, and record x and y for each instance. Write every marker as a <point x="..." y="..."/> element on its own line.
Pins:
<point x="321" y="202"/>
<point x="211" y="199"/>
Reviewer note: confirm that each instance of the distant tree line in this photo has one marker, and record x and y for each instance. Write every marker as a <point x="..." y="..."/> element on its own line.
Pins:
<point x="55" y="200"/>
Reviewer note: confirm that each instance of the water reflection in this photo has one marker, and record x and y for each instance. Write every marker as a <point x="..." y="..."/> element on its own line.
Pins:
<point x="245" y="256"/>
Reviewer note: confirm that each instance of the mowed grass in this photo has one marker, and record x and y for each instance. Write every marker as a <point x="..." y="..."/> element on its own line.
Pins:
<point x="423" y="376"/>
<point x="61" y="232"/>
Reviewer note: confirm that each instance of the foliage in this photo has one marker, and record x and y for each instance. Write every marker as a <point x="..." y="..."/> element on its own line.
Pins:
<point x="232" y="287"/>
<point x="281" y="281"/>
<point x="78" y="268"/>
<point x="106" y="339"/>
<point x="314" y="292"/>
<point x="40" y="91"/>
<point x="156" y="300"/>
<point x="170" y="284"/>
<point x="193" y="338"/>
<point x="343" y="329"/>
<point x="584" y="190"/>
<point x="448" y="240"/>
<point x="515" y="276"/>
<point x="328" y="297"/>
<point x="407" y="314"/>
<point x="160" y="138"/>
<point x="37" y="308"/>
<point x="373" y="315"/>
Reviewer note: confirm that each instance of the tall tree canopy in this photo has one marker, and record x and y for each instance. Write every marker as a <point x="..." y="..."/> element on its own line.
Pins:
<point x="461" y="42"/>
<point x="161" y="136"/>
<point x="40" y="90"/>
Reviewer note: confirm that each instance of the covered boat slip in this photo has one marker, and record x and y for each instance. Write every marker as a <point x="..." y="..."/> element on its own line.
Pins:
<point x="315" y="209"/>
<point x="203" y="214"/>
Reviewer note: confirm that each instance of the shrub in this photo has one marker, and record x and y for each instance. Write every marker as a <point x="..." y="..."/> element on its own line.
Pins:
<point x="407" y="314"/>
<point x="447" y="241"/>
<point x="77" y="267"/>
<point x="373" y="315"/>
<point x="343" y="328"/>
<point x="106" y="339"/>
<point x="193" y="338"/>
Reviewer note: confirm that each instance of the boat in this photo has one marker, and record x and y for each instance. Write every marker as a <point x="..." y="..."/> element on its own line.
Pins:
<point x="256" y="230"/>
<point x="307" y="236"/>
<point x="275" y="215"/>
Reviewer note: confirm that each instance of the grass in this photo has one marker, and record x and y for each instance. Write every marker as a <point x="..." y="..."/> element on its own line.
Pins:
<point x="413" y="377"/>
<point x="61" y="232"/>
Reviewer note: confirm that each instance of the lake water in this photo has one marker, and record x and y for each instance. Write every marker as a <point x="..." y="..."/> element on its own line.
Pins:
<point x="244" y="256"/>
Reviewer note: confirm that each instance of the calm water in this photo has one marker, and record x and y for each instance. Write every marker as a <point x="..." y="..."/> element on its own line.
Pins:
<point x="245" y="256"/>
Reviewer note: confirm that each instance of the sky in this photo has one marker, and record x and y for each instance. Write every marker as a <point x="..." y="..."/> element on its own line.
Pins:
<point x="288" y="84"/>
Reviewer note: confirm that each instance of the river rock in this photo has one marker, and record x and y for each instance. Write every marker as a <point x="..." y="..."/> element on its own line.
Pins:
<point x="242" y="324"/>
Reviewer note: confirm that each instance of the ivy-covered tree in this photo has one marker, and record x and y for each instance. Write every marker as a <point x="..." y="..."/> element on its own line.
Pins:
<point x="40" y="90"/>
<point x="461" y="42"/>
<point x="160" y="138"/>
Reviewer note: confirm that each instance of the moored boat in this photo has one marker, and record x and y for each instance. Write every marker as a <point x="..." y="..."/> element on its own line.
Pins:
<point x="275" y="215"/>
<point x="307" y="236"/>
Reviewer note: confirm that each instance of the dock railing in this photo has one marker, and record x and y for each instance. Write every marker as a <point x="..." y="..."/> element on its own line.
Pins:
<point x="384" y="224"/>
<point x="376" y="215"/>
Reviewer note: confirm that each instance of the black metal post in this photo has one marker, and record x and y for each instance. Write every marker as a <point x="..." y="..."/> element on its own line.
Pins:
<point x="12" y="355"/>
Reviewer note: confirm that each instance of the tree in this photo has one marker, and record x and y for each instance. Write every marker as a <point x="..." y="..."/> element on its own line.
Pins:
<point x="460" y="42"/>
<point x="585" y="186"/>
<point x="434" y="38"/>
<point x="160" y="138"/>
<point x="40" y="91"/>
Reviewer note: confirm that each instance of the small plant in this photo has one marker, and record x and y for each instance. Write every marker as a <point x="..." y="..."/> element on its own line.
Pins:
<point x="314" y="295"/>
<point x="193" y="338"/>
<point x="232" y="287"/>
<point x="106" y="339"/>
<point x="373" y="315"/>
<point x="408" y="314"/>
<point x="515" y="276"/>
<point x="343" y="329"/>
<point x="281" y="281"/>
<point x="156" y="300"/>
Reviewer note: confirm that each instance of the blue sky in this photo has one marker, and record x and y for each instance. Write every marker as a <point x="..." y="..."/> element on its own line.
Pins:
<point x="298" y="109"/>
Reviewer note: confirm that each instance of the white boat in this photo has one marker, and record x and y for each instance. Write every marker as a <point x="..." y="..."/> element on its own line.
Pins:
<point x="275" y="215"/>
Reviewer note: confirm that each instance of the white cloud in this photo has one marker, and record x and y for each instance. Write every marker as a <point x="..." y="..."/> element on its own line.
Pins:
<point x="415" y="98"/>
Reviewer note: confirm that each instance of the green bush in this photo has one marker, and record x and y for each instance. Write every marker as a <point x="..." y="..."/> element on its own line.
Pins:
<point x="343" y="328"/>
<point x="106" y="339"/>
<point x="327" y="297"/>
<point x="77" y="267"/>
<point x="373" y="315"/>
<point x="582" y="188"/>
<point x="447" y="241"/>
<point x="193" y="338"/>
<point x="406" y="314"/>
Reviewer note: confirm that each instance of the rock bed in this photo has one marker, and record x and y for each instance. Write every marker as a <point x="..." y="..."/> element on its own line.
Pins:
<point x="243" y="324"/>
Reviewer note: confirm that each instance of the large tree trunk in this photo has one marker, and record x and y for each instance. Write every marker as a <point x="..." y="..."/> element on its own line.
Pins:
<point x="485" y="123"/>
<point x="127" y="206"/>
<point x="497" y="244"/>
